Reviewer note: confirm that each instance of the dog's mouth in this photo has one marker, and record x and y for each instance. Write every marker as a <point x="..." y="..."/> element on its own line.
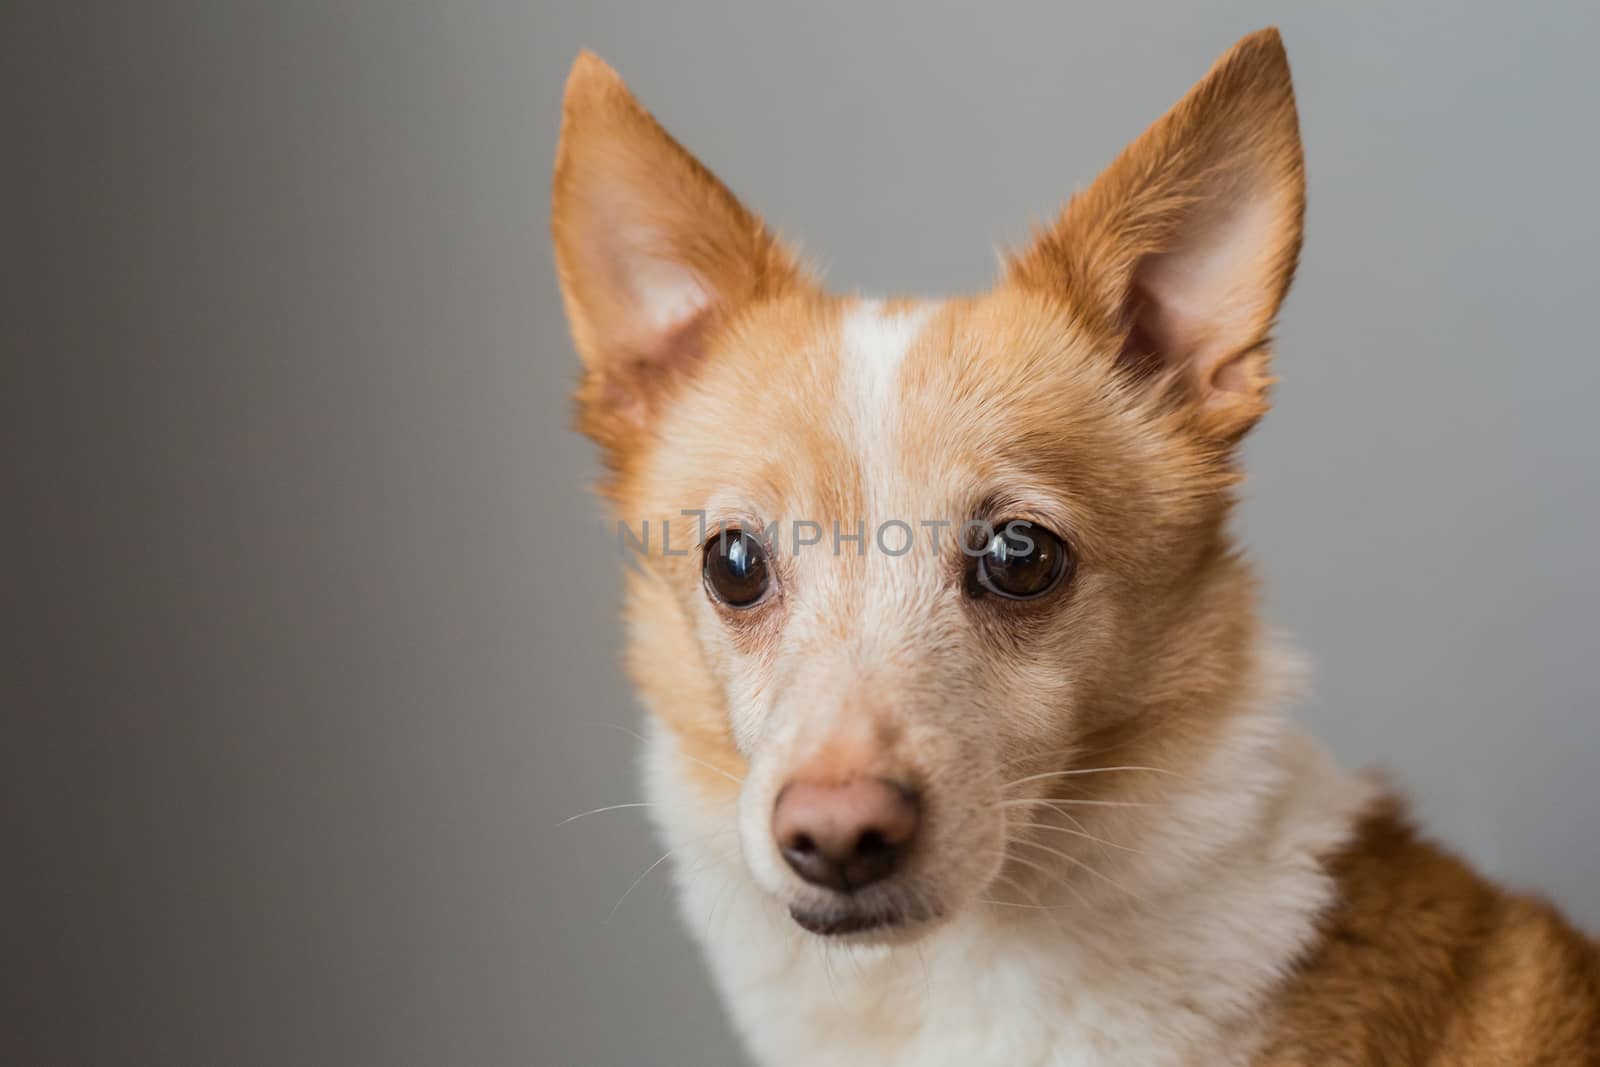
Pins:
<point x="842" y="921"/>
<point x="835" y="923"/>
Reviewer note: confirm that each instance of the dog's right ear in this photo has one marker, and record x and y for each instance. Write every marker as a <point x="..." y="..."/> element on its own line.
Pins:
<point x="1183" y="249"/>
<point x="652" y="250"/>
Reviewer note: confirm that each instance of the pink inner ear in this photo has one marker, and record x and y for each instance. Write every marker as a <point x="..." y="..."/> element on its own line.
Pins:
<point x="1142" y="354"/>
<point x="659" y="328"/>
<point x="667" y="296"/>
<point x="656" y="308"/>
<point x="1202" y="302"/>
<point x="650" y="292"/>
<point x="635" y="378"/>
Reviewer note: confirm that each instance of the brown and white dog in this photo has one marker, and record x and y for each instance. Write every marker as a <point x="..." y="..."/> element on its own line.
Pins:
<point x="965" y="732"/>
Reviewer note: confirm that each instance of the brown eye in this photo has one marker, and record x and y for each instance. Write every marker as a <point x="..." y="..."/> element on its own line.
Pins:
<point x="735" y="569"/>
<point x="1022" y="561"/>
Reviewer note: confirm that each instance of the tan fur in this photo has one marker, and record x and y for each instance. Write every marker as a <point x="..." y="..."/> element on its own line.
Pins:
<point x="611" y="153"/>
<point x="1100" y="390"/>
<point x="1236" y="133"/>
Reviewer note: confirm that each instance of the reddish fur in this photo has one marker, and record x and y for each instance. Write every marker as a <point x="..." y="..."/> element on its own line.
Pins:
<point x="1423" y="962"/>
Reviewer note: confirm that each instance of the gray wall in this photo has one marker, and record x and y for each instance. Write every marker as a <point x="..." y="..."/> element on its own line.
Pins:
<point x="303" y="658"/>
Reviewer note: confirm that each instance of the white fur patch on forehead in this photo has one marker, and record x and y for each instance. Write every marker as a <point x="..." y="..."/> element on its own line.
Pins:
<point x="874" y="342"/>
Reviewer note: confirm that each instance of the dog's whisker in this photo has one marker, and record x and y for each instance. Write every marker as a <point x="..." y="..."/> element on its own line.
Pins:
<point x="1053" y="877"/>
<point x="1078" y="752"/>
<point x="704" y="863"/>
<point x="827" y="969"/>
<point x="636" y="735"/>
<point x="636" y="881"/>
<point x="717" y="904"/>
<point x="927" y="974"/>
<point x="1067" y="815"/>
<point x="1039" y="757"/>
<point x="1020" y="904"/>
<point x="1077" y="833"/>
<point x="608" y="807"/>
<point x="1077" y="824"/>
<point x="1080" y="771"/>
<point x="1019" y="802"/>
<point x="1076" y="862"/>
<point x="1005" y="879"/>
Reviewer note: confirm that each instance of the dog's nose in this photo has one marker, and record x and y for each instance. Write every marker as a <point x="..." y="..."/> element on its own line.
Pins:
<point x="845" y="836"/>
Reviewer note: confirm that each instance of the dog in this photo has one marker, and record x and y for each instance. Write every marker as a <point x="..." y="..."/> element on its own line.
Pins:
<point x="964" y="728"/>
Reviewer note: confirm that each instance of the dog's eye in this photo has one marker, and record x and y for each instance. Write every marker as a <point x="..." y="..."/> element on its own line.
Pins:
<point x="1022" y="561"/>
<point x="735" y="569"/>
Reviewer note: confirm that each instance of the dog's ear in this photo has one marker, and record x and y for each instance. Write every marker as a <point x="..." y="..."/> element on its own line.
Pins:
<point x="1180" y="253"/>
<point x="652" y="251"/>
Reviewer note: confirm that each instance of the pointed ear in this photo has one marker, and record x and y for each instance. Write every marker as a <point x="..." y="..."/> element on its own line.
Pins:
<point x="652" y="251"/>
<point x="1180" y="253"/>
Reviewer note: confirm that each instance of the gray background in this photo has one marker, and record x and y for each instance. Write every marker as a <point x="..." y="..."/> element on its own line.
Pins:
<point x="306" y="654"/>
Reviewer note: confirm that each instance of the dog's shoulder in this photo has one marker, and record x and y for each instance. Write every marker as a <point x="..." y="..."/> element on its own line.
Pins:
<point x="1422" y="961"/>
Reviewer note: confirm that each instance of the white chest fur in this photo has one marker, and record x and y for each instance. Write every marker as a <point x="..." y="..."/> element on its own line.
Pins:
<point x="1184" y="975"/>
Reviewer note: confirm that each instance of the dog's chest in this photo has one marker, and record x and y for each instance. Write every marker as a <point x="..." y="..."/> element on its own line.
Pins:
<point x="981" y="991"/>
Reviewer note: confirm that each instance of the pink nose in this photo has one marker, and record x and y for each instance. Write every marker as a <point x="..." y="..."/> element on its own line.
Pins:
<point x="845" y="836"/>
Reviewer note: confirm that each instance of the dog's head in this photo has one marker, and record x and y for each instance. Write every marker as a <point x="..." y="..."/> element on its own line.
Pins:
<point x="920" y="576"/>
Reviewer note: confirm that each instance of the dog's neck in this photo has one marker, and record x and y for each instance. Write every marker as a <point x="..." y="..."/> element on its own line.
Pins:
<point x="1159" y="942"/>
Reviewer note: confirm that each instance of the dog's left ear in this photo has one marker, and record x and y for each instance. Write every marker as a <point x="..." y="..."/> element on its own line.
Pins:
<point x="1181" y="252"/>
